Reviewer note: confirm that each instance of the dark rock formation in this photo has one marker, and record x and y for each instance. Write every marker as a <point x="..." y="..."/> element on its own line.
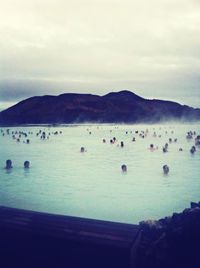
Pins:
<point x="116" y="107"/>
<point x="172" y="242"/>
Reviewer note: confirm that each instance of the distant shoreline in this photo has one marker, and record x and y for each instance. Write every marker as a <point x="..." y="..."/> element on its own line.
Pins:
<point x="103" y="124"/>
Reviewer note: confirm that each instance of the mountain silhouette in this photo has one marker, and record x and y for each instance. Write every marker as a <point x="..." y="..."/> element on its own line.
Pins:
<point x="114" y="107"/>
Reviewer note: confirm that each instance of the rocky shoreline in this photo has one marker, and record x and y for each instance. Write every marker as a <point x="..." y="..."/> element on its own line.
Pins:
<point x="171" y="242"/>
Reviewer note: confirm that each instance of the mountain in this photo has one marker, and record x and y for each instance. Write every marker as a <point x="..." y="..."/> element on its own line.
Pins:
<point x="115" y="107"/>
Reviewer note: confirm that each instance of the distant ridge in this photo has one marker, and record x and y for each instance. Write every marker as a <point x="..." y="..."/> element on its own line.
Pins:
<point x="124" y="94"/>
<point x="115" y="107"/>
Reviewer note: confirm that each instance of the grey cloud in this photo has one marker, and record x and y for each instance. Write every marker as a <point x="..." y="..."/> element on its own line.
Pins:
<point x="53" y="46"/>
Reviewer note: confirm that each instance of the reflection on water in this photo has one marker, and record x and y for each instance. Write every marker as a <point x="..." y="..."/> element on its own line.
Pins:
<point x="8" y="171"/>
<point x="91" y="184"/>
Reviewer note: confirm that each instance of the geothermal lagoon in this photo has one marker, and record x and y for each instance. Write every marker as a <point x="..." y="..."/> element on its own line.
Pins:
<point x="62" y="180"/>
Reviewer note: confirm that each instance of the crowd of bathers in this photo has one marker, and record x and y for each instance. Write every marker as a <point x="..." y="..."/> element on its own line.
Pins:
<point x="23" y="136"/>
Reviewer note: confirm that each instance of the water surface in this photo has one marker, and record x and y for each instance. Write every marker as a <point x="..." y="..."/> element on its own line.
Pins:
<point x="62" y="180"/>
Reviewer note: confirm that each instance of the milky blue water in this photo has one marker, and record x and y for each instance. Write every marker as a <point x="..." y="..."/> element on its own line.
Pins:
<point x="62" y="180"/>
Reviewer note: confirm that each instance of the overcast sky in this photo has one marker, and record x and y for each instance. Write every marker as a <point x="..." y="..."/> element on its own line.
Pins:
<point x="151" y="47"/>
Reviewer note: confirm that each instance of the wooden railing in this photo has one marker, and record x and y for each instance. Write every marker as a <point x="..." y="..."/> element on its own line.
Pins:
<point x="34" y="239"/>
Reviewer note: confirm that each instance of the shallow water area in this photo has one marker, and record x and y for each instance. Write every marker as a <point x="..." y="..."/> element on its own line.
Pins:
<point x="63" y="180"/>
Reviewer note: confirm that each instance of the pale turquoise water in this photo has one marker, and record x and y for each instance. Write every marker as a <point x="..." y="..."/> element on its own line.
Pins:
<point x="64" y="181"/>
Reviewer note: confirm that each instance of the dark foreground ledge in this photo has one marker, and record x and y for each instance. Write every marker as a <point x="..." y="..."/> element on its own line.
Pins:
<point x="33" y="239"/>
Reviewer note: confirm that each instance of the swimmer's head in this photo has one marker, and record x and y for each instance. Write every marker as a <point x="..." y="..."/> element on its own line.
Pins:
<point x="8" y="164"/>
<point x="26" y="164"/>
<point x="82" y="150"/>
<point x="124" y="168"/>
<point x="165" y="169"/>
<point x="193" y="149"/>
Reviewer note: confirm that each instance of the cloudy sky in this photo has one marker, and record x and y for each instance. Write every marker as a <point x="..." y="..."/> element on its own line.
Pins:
<point x="151" y="47"/>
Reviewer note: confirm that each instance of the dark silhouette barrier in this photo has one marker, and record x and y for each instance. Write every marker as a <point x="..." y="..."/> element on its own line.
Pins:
<point x="33" y="239"/>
